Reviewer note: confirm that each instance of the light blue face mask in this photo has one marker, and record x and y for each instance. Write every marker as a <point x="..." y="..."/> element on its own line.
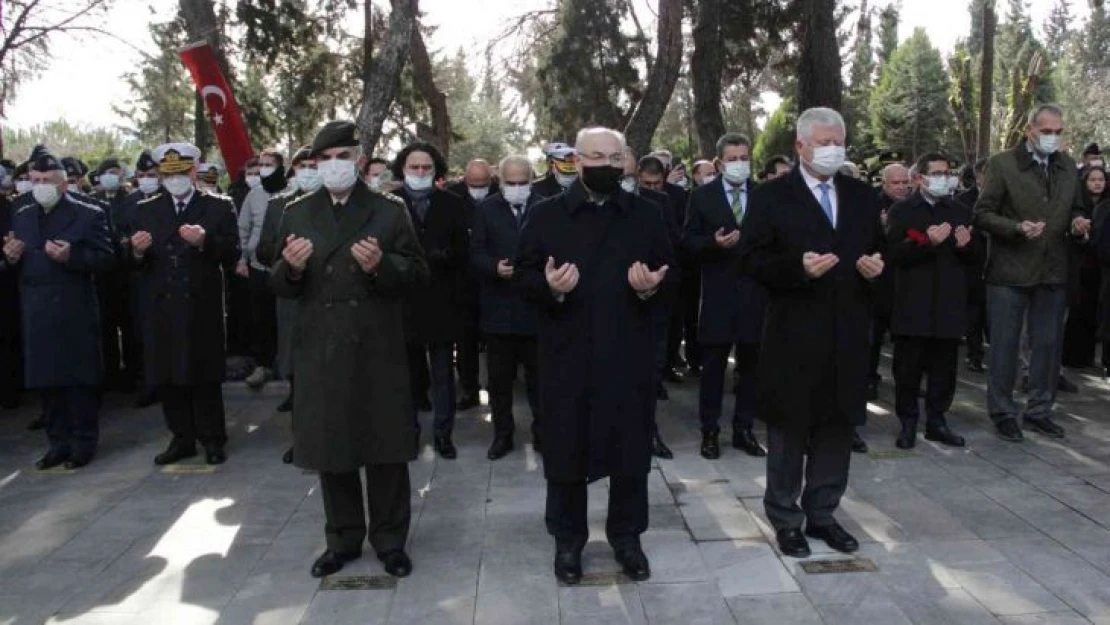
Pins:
<point x="1047" y="144"/>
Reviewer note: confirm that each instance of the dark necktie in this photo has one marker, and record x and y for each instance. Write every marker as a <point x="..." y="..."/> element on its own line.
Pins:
<point x="518" y="212"/>
<point x="337" y="210"/>
<point x="180" y="208"/>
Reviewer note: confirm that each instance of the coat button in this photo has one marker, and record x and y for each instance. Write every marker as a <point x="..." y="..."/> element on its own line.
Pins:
<point x="327" y="304"/>
<point x="329" y="269"/>
<point x="354" y="303"/>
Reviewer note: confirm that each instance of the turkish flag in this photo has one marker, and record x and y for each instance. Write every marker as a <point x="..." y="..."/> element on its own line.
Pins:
<point x="231" y="133"/>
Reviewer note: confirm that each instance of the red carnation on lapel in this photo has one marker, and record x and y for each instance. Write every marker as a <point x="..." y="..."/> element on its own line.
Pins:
<point x="917" y="236"/>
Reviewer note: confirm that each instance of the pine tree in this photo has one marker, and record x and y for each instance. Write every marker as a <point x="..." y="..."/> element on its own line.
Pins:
<point x="861" y="81"/>
<point x="161" y="106"/>
<point x="1057" y="29"/>
<point x="888" y="34"/>
<point x="909" y="107"/>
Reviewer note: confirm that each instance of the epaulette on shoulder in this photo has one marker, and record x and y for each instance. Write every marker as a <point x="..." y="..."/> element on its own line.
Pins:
<point x="294" y="201"/>
<point x="150" y="199"/>
<point x="81" y="202"/>
<point x="218" y="196"/>
<point x="388" y="196"/>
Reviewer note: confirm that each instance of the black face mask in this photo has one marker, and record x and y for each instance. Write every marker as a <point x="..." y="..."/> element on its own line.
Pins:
<point x="602" y="179"/>
<point x="276" y="181"/>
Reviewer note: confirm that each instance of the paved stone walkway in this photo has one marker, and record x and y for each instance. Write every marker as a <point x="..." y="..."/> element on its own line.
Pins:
<point x="997" y="533"/>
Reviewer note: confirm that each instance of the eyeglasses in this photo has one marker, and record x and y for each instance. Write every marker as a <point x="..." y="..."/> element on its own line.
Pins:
<point x="616" y="160"/>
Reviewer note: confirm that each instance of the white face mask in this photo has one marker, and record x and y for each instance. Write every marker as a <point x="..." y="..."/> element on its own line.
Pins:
<point x="516" y="195"/>
<point x="308" y="180"/>
<point x="682" y="183"/>
<point x="23" y="186"/>
<point x="478" y="193"/>
<point x="419" y="183"/>
<point x="827" y="159"/>
<point x="936" y="186"/>
<point x="1047" y="144"/>
<point x="628" y="183"/>
<point x="148" y="185"/>
<point x="253" y="181"/>
<point x="110" y="182"/>
<point x="266" y="172"/>
<point x="374" y="182"/>
<point x="46" y="194"/>
<point x="565" y="180"/>
<point x="737" y="172"/>
<point x="707" y="179"/>
<point x="1096" y="163"/>
<point x="337" y="174"/>
<point x="178" y="186"/>
<point x="953" y="184"/>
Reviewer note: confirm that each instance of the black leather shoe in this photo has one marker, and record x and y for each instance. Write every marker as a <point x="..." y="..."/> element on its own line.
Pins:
<point x="11" y="403"/>
<point x="941" y="434"/>
<point x="834" y="536"/>
<point x="286" y="405"/>
<point x="661" y="393"/>
<point x="175" y="452"/>
<point x="792" y="543"/>
<point x="396" y="563"/>
<point x="1045" y="427"/>
<point x="694" y="371"/>
<point x="659" y="449"/>
<point x="1008" y="430"/>
<point x="37" y="423"/>
<point x="975" y="365"/>
<point x="537" y="442"/>
<point x="872" y="391"/>
<point x="145" y="399"/>
<point x="568" y="566"/>
<point x="501" y="446"/>
<point x="215" y="454"/>
<point x="633" y="562"/>
<point x="907" y="438"/>
<point x="76" y="461"/>
<point x="859" y="446"/>
<point x="710" y="445"/>
<point x="425" y="404"/>
<point x="746" y="442"/>
<point x="1065" y="385"/>
<point x="670" y="374"/>
<point x="444" y="447"/>
<point x="332" y="562"/>
<point x="51" y="459"/>
<point x="468" y="401"/>
<point x="287" y="457"/>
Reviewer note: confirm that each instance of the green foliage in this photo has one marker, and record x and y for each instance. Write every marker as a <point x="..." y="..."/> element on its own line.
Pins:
<point x="161" y="105"/>
<point x="585" y="72"/>
<point x="888" y="34"/>
<point x="909" y="107"/>
<point x="861" y="83"/>
<point x="778" y="135"/>
<point x="91" y="145"/>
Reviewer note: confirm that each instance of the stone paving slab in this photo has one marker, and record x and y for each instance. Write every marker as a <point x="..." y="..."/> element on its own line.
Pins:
<point x="995" y="533"/>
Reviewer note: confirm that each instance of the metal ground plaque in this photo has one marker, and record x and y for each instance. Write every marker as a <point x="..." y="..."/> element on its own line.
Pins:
<point x="359" y="582"/>
<point x="854" y="565"/>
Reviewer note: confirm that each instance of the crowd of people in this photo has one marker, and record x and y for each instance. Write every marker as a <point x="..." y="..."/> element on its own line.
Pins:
<point x="373" y="286"/>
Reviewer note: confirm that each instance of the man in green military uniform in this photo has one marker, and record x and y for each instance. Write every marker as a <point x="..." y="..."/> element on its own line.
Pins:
<point x="349" y="255"/>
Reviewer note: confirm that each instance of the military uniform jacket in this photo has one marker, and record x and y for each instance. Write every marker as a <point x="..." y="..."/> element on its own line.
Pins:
<point x="596" y="346"/>
<point x="61" y="323"/>
<point x="182" y="288"/>
<point x="352" y="404"/>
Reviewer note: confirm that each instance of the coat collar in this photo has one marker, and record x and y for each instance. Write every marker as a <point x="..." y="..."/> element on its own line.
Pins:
<point x="577" y="197"/>
<point x="1025" y="160"/>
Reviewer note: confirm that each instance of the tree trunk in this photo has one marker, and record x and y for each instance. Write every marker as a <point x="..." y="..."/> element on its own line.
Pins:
<point x="439" y="132"/>
<point x="201" y="25"/>
<point x="705" y="73"/>
<point x="819" y="82"/>
<point x="986" y="81"/>
<point x="661" y="78"/>
<point x="381" y="77"/>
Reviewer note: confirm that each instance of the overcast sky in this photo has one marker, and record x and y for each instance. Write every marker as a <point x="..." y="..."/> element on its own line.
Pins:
<point x="84" y="80"/>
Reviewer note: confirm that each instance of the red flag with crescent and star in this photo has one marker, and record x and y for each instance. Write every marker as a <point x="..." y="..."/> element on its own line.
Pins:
<point x="219" y="102"/>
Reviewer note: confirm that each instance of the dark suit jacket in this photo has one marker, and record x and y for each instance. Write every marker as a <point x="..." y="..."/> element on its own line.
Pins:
<point x="814" y="360"/>
<point x="432" y="310"/>
<point x="495" y="237"/>
<point x="547" y="187"/>
<point x="732" y="304"/>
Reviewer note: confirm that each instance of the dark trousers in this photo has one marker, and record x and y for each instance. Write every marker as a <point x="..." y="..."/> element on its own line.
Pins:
<point x="71" y="419"/>
<point x="627" y="519"/>
<point x="504" y="354"/>
<point x="238" y="305"/>
<point x="468" y="353"/>
<point x="936" y="359"/>
<point x="822" y="453"/>
<point x="711" y="393"/>
<point x="11" y="365"/>
<point x="689" y="293"/>
<point x="263" y="319"/>
<point x="387" y="500"/>
<point x="880" y="325"/>
<point x="442" y="381"/>
<point x="119" y="346"/>
<point x="1080" y="341"/>
<point x="1044" y="309"/>
<point x="976" y="330"/>
<point x="195" y="413"/>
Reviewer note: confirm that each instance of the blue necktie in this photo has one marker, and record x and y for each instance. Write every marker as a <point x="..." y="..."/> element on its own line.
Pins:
<point x="826" y="203"/>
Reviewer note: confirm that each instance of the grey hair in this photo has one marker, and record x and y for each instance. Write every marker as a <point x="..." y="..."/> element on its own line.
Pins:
<point x="818" y="116"/>
<point x="732" y="138"/>
<point x="889" y="169"/>
<point x="516" y="159"/>
<point x="1045" y="107"/>
<point x="599" y="130"/>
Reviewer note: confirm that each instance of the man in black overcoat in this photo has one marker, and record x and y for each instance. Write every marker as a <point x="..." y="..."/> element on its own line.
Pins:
<point x="593" y="260"/>
<point x="732" y="305"/>
<point x="117" y="326"/>
<point x="182" y="239"/>
<point x="930" y="245"/>
<point x="976" y="334"/>
<point x="811" y="238"/>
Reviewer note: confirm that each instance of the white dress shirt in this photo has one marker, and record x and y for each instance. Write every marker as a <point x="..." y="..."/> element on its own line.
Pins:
<point x="812" y="183"/>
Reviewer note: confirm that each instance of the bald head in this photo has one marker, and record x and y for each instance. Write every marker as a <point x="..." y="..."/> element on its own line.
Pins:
<point x="896" y="181"/>
<point x="600" y="146"/>
<point x="478" y="173"/>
